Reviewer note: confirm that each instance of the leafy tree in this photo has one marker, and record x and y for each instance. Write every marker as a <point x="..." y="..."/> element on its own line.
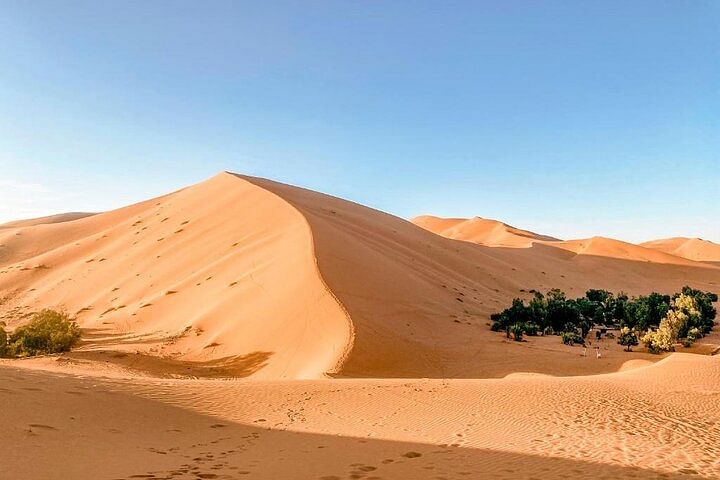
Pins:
<point x="585" y="307"/>
<point x="686" y="316"/>
<point x="517" y="313"/>
<point x="585" y="327"/>
<point x="598" y="296"/>
<point x="561" y="313"/>
<point x="599" y="316"/>
<point x="571" y="338"/>
<point x="682" y="312"/>
<point x="646" y="311"/>
<point x="704" y="304"/>
<point x="530" y="328"/>
<point x="556" y="294"/>
<point x="538" y="309"/>
<point x="694" y="334"/>
<point x="628" y="338"/>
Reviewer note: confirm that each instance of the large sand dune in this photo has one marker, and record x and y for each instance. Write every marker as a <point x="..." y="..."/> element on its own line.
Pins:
<point x="247" y="277"/>
<point x="221" y="273"/>
<point x="244" y="277"/>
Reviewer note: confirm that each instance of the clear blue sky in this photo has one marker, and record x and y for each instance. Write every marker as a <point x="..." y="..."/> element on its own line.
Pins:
<point x="569" y="118"/>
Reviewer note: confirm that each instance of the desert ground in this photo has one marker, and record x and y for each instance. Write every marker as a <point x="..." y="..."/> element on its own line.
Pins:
<point x="243" y="328"/>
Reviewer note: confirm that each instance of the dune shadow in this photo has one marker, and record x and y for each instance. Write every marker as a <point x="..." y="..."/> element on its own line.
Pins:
<point x="181" y="444"/>
<point x="98" y="337"/>
<point x="235" y="366"/>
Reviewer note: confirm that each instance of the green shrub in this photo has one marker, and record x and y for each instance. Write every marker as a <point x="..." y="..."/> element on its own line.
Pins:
<point x="531" y="329"/>
<point x="516" y="330"/>
<point x="570" y="327"/>
<point x="693" y="334"/>
<point x="628" y="338"/>
<point x="3" y="340"/>
<point x="49" y="331"/>
<point x="571" y="338"/>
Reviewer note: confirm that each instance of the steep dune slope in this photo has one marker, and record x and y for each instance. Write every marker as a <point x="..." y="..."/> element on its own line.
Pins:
<point x="691" y="248"/>
<point x="222" y="273"/>
<point x="420" y="302"/>
<point x="480" y="230"/>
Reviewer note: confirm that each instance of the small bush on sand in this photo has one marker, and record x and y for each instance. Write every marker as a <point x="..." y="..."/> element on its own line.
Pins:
<point x="571" y="338"/>
<point x="49" y="331"/>
<point x="531" y="329"/>
<point x="628" y="338"/>
<point x="516" y="330"/>
<point x="3" y="340"/>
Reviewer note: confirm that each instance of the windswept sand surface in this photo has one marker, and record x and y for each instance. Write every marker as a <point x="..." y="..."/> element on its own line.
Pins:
<point x="243" y="328"/>
<point x="658" y="421"/>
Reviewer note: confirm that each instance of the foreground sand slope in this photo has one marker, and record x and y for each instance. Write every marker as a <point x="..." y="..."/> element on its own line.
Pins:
<point x="692" y="248"/>
<point x="661" y="421"/>
<point x="245" y="276"/>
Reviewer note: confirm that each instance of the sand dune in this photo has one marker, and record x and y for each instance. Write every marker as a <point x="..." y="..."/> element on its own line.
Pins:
<point x="497" y="234"/>
<point x="480" y="230"/>
<point x="244" y="276"/>
<point x="222" y="273"/>
<point x="608" y="247"/>
<point x="691" y="248"/>
<point x="59" y="218"/>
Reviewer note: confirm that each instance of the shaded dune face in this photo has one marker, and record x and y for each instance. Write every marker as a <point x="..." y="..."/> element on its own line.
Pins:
<point x="243" y="276"/>
<point x="420" y="303"/>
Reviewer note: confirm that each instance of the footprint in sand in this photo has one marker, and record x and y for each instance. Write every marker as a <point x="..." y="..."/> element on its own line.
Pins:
<point x="41" y="426"/>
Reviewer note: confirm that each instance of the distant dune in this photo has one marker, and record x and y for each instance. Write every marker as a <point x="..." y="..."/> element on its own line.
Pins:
<point x="59" y="218"/>
<point x="480" y="230"/>
<point x="695" y="249"/>
<point x="241" y="276"/>
<point x="493" y="233"/>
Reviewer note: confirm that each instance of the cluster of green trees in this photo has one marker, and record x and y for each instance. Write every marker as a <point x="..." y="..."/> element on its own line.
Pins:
<point x="47" y="332"/>
<point x="659" y="320"/>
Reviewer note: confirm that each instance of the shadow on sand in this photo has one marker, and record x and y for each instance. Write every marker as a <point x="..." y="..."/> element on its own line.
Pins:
<point x="58" y="426"/>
